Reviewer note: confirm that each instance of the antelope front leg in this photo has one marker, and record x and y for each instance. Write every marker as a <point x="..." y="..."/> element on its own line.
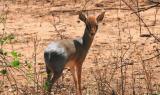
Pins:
<point x="79" y="70"/>
<point x="76" y="73"/>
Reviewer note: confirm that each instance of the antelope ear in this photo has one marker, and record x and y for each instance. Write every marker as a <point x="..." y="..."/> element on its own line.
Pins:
<point x="100" y="17"/>
<point x="82" y="17"/>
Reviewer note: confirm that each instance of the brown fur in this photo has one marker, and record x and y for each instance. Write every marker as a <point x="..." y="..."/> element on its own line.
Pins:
<point x="71" y="53"/>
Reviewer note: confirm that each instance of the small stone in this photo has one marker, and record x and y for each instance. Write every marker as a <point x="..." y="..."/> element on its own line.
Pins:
<point x="11" y="90"/>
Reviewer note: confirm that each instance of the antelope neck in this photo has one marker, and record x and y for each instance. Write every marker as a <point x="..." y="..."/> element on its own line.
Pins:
<point x="87" y="39"/>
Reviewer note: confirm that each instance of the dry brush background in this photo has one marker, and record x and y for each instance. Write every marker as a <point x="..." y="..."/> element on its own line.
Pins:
<point x="124" y="58"/>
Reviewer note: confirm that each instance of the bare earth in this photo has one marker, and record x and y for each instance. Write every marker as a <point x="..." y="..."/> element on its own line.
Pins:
<point x="115" y="57"/>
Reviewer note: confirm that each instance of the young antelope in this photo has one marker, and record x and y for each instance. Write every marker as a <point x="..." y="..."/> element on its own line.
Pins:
<point x="71" y="53"/>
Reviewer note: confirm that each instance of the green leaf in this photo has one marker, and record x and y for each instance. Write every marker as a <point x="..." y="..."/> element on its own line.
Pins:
<point x="14" y="54"/>
<point x="6" y="39"/>
<point x="11" y="36"/>
<point x="15" y="63"/>
<point x="46" y="85"/>
<point x="2" y="41"/>
<point x="29" y="65"/>
<point x="3" y="71"/>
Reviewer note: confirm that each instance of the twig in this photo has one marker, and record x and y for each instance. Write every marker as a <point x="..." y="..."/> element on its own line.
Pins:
<point x="35" y="64"/>
<point x="145" y="9"/>
<point x="151" y="57"/>
<point x="147" y="27"/>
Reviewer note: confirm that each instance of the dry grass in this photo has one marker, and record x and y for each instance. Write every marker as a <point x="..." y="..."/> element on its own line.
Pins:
<point x="123" y="60"/>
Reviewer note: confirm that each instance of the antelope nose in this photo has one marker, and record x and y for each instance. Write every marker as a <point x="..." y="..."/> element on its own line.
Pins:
<point x="92" y="33"/>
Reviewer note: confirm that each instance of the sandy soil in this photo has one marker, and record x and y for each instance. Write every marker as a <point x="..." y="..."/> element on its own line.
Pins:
<point x="118" y="35"/>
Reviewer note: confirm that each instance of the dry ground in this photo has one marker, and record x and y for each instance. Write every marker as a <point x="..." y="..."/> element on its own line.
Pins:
<point x="116" y="60"/>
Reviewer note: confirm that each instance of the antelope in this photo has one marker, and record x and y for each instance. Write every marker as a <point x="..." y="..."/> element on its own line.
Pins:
<point x="71" y="53"/>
